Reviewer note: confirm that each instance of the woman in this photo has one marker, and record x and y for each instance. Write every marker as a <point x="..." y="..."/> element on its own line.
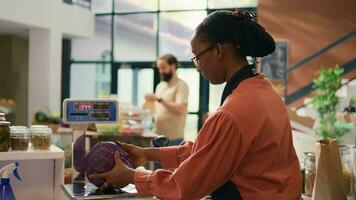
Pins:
<point x="245" y="149"/>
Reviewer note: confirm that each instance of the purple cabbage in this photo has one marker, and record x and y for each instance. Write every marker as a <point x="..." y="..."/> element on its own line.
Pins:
<point x="100" y="159"/>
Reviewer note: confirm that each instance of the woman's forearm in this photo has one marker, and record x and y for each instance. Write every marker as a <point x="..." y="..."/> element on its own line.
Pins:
<point x="152" y="154"/>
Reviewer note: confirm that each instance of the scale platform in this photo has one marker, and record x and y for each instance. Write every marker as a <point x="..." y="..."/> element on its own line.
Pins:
<point x="79" y="113"/>
<point x="81" y="191"/>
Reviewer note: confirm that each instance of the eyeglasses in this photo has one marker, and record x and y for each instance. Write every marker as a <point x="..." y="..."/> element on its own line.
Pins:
<point x="195" y="60"/>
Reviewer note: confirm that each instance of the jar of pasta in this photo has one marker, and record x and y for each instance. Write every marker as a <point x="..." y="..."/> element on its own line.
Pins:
<point x="20" y="138"/>
<point x="41" y="137"/>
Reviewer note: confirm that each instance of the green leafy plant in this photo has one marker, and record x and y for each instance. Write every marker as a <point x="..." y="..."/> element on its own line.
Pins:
<point x="325" y="102"/>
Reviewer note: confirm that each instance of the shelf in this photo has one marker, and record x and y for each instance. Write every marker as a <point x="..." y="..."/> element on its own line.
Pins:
<point x="53" y="153"/>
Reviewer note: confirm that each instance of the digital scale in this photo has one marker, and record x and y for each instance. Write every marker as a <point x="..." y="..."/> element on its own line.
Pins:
<point x="79" y="113"/>
<point x="90" y="111"/>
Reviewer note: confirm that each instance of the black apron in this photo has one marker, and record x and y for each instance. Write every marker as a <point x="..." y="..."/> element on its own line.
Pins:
<point x="228" y="191"/>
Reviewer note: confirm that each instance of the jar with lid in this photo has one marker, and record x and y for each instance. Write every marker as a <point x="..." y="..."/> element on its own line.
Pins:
<point x="20" y="138"/>
<point x="41" y="137"/>
<point x="4" y="133"/>
<point x="303" y="163"/>
<point x="17" y="127"/>
<point x="38" y="126"/>
<point x="310" y="173"/>
<point x="346" y="161"/>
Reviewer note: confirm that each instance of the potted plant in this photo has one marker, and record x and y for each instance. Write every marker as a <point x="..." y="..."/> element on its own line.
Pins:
<point x="329" y="174"/>
<point x="326" y="102"/>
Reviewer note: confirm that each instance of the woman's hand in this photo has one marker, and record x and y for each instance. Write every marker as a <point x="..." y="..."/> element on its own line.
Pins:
<point x="137" y="154"/>
<point x="118" y="177"/>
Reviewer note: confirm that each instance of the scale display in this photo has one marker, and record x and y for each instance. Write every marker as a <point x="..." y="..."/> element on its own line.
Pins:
<point x="90" y="111"/>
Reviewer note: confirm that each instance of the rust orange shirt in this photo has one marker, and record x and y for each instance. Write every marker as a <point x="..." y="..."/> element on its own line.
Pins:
<point x="248" y="141"/>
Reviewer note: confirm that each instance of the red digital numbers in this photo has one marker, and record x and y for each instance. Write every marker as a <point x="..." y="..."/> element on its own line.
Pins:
<point x="82" y="106"/>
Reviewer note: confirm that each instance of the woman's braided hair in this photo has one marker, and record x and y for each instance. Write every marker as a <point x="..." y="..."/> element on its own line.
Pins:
<point x="240" y="28"/>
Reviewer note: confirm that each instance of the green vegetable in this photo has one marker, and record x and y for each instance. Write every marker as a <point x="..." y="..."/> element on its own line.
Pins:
<point x="41" y="117"/>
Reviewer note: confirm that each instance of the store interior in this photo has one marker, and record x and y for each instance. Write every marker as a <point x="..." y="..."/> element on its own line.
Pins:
<point x="102" y="55"/>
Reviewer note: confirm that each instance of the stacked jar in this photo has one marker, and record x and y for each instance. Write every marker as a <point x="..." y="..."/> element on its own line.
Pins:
<point x="4" y="133"/>
<point x="346" y="161"/>
<point x="310" y="173"/>
<point x="302" y="169"/>
<point x="20" y="138"/>
<point x="41" y="137"/>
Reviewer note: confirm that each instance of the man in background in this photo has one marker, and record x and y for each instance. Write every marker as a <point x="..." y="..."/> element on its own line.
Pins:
<point x="170" y="101"/>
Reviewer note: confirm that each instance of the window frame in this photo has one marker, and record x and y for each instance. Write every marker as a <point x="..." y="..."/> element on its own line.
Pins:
<point x="115" y="65"/>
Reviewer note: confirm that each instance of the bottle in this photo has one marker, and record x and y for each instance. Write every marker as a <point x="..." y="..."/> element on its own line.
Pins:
<point x="5" y="187"/>
<point x="4" y="133"/>
<point x="310" y="173"/>
<point x="346" y="161"/>
<point x="303" y="164"/>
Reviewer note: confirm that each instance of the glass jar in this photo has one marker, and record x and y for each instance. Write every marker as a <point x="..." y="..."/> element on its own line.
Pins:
<point x="346" y="160"/>
<point x="41" y="137"/>
<point x="20" y="138"/>
<point x="303" y="164"/>
<point x="38" y="126"/>
<point x="4" y="133"/>
<point x="17" y="127"/>
<point x="310" y="172"/>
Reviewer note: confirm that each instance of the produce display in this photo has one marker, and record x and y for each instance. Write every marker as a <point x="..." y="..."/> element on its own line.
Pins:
<point x="130" y="120"/>
<point x="131" y="127"/>
<point x="43" y="118"/>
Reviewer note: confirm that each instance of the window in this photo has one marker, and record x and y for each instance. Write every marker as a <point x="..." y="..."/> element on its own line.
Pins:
<point x="101" y="6"/>
<point x="133" y="84"/>
<point x="136" y="5"/>
<point x="176" y="30"/>
<point x="145" y="84"/>
<point x="191" y="77"/>
<point x="182" y="5"/>
<point x="129" y="36"/>
<point x="125" y="85"/>
<point x="216" y="4"/>
<point x="97" y="48"/>
<point x="90" y="80"/>
<point x="135" y="37"/>
<point x="191" y="127"/>
<point x="215" y="92"/>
